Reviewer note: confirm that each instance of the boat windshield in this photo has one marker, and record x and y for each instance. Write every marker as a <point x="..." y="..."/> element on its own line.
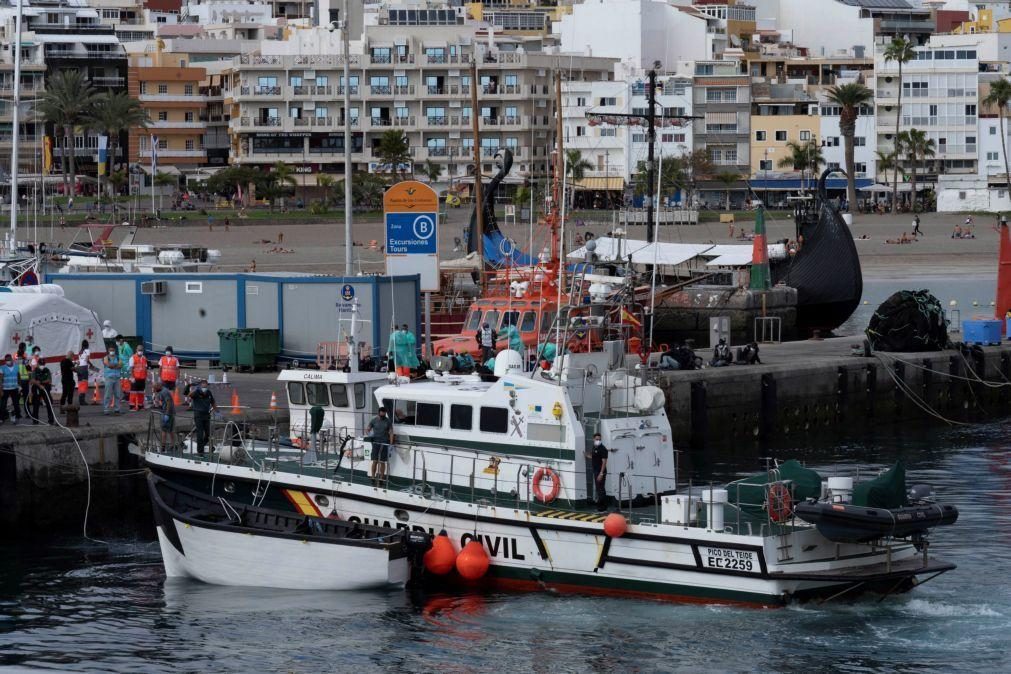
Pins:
<point x="529" y="322"/>
<point x="491" y="318"/>
<point x="474" y="319"/>
<point x="510" y="318"/>
<point x="547" y="318"/>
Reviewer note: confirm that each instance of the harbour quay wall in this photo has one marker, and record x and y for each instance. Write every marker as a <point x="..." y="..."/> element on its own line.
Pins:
<point x="44" y="481"/>
<point x="817" y="387"/>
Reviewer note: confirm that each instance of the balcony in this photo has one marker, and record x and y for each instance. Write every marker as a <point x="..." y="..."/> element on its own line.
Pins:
<point x="251" y="122"/>
<point x="322" y="121"/>
<point x="172" y="98"/>
<point x="300" y="122"/>
<point x="381" y="90"/>
<point x="438" y="151"/>
<point x="170" y="152"/>
<point x="380" y="58"/>
<point x="404" y="90"/>
<point x="380" y="122"/>
<point x="103" y="81"/>
<point x="260" y="91"/>
<point x="437" y="121"/>
<point x="168" y="124"/>
<point x="353" y="92"/>
<point x="403" y="121"/>
<point x="435" y="91"/>
<point x="312" y="90"/>
<point x="489" y="151"/>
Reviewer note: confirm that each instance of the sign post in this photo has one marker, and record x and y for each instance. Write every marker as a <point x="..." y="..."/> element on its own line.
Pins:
<point x="411" y="214"/>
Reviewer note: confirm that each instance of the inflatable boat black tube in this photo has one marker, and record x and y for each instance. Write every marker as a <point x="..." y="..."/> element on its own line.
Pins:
<point x="847" y="523"/>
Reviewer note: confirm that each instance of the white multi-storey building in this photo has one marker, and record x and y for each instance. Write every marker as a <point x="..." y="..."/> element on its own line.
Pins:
<point x="939" y="97"/>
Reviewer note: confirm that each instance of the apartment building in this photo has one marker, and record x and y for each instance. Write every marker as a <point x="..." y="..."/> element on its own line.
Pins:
<point x="32" y="85"/>
<point x="170" y="89"/>
<point x="287" y="101"/>
<point x="721" y="104"/>
<point x="940" y="97"/>
<point x="780" y="114"/>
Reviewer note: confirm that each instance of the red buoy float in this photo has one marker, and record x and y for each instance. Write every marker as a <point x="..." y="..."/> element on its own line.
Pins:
<point x="441" y="557"/>
<point x="472" y="562"/>
<point x="615" y="525"/>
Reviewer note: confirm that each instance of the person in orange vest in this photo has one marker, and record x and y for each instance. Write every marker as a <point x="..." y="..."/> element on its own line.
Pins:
<point x="138" y="379"/>
<point x="168" y="369"/>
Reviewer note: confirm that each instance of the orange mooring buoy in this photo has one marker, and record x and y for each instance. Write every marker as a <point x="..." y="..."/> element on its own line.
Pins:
<point x="441" y="556"/>
<point x="615" y="525"/>
<point x="472" y="562"/>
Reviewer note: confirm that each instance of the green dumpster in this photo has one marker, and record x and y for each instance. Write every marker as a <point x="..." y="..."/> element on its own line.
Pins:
<point x="257" y="348"/>
<point x="228" y="345"/>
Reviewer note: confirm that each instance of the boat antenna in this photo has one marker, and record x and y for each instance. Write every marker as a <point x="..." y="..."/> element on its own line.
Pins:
<point x="656" y="250"/>
<point x="15" y="126"/>
<point x="348" y="207"/>
<point x="478" y="187"/>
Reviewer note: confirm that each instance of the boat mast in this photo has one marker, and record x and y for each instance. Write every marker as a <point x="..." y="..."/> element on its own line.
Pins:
<point x="15" y="125"/>
<point x="478" y="188"/>
<point x="556" y="244"/>
<point x="651" y="140"/>
<point x="348" y="242"/>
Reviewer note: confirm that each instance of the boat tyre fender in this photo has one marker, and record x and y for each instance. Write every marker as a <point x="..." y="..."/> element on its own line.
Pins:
<point x="556" y="485"/>
<point x="779" y="503"/>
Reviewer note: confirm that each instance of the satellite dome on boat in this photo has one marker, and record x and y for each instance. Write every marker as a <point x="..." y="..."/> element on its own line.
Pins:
<point x="507" y="362"/>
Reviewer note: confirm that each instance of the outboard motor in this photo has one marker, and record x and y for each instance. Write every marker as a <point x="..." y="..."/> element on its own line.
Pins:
<point x="417" y="544"/>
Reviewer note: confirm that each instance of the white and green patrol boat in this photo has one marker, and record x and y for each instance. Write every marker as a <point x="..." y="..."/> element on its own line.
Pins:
<point x="503" y="460"/>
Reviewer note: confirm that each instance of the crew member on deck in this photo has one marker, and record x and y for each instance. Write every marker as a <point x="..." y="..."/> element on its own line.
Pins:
<point x="598" y="461"/>
<point x="486" y="338"/>
<point x="380" y="431"/>
<point x="203" y="405"/>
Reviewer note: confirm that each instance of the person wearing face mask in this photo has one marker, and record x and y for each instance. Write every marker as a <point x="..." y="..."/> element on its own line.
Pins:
<point x="168" y="370"/>
<point x="12" y="390"/>
<point x="83" y="358"/>
<point x="598" y="461"/>
<point x="112" y="372"/>
<point x="486" y="339"/>
<point x="138" y="379"/>
<point x="125" y="352"/>
<point x="203" y="404"/>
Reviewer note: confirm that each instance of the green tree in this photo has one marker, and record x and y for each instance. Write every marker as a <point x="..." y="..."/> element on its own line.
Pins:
<point x="917" y="146"/>
<point x="283" y="177"/>
<point x="729" y="179"/>
<point x="326" y="183"/>
<point x="576" y="168"/>
<point x="901" y="51"/>
<point x="164" y="180"/>
<point x="366" y="190"/>
<point x="65" y="104"/>
<point x="393" y="151"/>
<point x="432" y="171"/>
<point x="803" y="157"/>
<point x="850" y="98"/>
<point x="234" y="179"/>
<point x="999" y="97"/>
<point x="111" y="114"/>
<point x="886" y="161"/>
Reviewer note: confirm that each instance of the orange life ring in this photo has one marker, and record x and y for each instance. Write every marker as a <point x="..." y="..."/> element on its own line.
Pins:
<point x="780" y="503"/>
<point x="556" y="485"/>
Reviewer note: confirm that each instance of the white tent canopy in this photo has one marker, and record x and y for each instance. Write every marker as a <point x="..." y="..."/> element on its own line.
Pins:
<point x="49" y="321"/>
<point x="672" y="254"/>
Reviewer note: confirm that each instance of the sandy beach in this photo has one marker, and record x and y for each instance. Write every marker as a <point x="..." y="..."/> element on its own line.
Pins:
<point x="320" y="248"/>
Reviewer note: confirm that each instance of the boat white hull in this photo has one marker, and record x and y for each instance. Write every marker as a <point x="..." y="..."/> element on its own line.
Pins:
<point x="565" y="553"/>
<point x="232" y="558"/>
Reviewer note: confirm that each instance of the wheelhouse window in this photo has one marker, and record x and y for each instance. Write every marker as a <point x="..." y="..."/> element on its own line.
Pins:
<point x="494" y="419"/>
<point x="461" y="417"/>
<point x="405" y="412"/>
<point x="339" y="395"/>
<point x="510" y="318"/>
<point x="316" y="393"/>
<point x="429" y="414"/>
<point x="474" y="320"/>
<point x="529" y="322"/>
<point x="359" y="396"/>
<point x="547" y="318"/>
<point x="491" y="318"/>
<point x="296" y="393"/>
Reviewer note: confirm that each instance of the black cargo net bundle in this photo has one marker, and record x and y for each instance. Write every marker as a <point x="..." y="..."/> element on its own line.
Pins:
<point x="909" y="320"/>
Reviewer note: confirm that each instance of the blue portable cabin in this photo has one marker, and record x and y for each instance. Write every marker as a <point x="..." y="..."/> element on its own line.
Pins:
<point x="186" y="311"/>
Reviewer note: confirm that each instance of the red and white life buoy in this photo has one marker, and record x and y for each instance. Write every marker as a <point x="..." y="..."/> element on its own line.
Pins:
<point x="556" y="485"/>
<point x="780" y="503"/>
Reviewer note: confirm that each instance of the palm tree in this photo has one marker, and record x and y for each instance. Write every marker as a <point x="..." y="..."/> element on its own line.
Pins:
<point x="886" y="161"/>
<point x="65" y="104"/>
<point x="326" y="182"/>
<point x="431" y="170"/>
<point x="850" y="98"/>
<point x="916" y="146"/>
<point x="394" y="150"/>
<point x="999" y="96"/>
<point x="901" y="51"/>
<point x="576" y="168"/>
<point x="111" y="114"/>
<point x="728" y="179"/>
<point x="803" y="157"/>
<point x="164" y="180"/>
<point x="282" y="176"/>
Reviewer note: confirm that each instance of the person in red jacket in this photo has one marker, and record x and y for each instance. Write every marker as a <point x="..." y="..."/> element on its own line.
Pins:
<point x="138" y="379"/>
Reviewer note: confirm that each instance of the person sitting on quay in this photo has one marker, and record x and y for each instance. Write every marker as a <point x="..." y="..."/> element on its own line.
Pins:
<point x="749" y="355"/>
<point x="721" y="355"/>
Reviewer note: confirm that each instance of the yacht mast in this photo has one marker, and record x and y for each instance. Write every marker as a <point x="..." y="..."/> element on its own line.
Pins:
<point x="15" y="126"/>
<point x="348" y="206"/>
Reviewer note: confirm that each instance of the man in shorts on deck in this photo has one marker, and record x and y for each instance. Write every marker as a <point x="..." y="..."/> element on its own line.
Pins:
<point x="164" y="403"/>
<point x="380" y="431"/>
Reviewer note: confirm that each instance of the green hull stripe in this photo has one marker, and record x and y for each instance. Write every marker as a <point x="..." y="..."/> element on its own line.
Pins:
<point x="518" y="450"/>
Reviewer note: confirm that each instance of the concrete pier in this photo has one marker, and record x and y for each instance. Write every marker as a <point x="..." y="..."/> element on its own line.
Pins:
<point x="819" y="387"/>
<point x="43" y="479"/>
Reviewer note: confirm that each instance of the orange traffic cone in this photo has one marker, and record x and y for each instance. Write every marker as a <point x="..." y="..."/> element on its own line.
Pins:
<point x="97" y="398"/>
<point x="273" y="401"/>
<point x="235" y="402"/>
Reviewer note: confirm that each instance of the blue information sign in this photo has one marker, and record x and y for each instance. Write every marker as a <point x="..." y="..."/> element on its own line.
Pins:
<point x="411" y="234"/>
